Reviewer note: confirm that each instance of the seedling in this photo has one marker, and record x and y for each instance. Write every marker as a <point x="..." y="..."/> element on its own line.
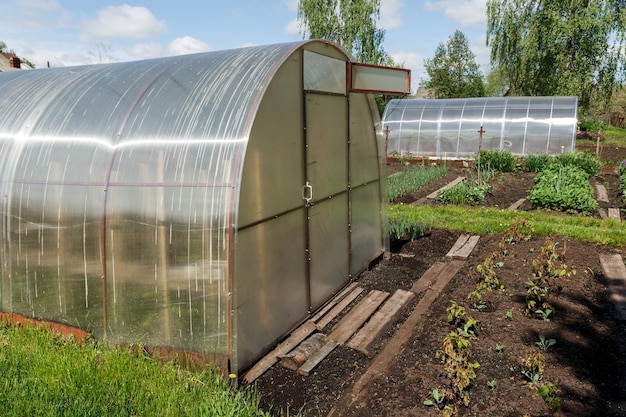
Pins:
<point x="533" y="367"/>
<point x="550" y="395"/>
<point x="509" y="315"/>
<point x="544" y="314"/>
<point x="544" y="343"/>
<point x="499" y="348"/>
<point x="492" y="384"/>
<point x="439" y="397"/>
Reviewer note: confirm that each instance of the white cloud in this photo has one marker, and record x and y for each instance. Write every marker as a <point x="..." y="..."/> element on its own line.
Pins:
<point x="187" y="45"/>
<point x="38" y="5"/>
<point x="469" y="13"/>
<point x="124" y="22"/>
<point x="146" y="50"/>
<point x="292" y="5"/>
<point x="293" y="28"/>
<point x="390" y="14"/>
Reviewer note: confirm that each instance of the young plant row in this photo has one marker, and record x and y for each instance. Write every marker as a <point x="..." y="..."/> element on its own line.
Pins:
<point x="411" y="178"/>
<point x="547" y="269"/>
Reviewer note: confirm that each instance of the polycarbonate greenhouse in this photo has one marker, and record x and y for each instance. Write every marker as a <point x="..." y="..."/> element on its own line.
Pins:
<point x="207" y="203"/>
<point x="449" y="128"/>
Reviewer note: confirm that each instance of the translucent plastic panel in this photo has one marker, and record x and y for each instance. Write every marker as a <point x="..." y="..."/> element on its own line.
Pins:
<point x="521" y="125"/>
<point x="169" y="217"/>
<point x="428" y="131"/>
<point x="323" y="73"/>
<point x="54" y="253"/>
<point x="515" y="125"/>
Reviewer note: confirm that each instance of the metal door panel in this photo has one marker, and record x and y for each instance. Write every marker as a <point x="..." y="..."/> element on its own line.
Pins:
<point x="329" y="247"/>
<point x="327" y="150"/>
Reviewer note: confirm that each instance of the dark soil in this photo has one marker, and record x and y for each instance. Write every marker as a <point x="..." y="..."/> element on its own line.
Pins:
<point x="587" y="364"/>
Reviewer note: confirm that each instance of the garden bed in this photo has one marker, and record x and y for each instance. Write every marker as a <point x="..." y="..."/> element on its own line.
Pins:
<point x="587" y="364"/>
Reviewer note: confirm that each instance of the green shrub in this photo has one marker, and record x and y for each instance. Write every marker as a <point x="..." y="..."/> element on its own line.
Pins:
<point x="465" y="193"/>
<point x="411" y="179"/>
<point x="588" y="162"/>
<point x="565" y="188"/>
<point x="536" y="162"/>
<point x="496" y="160"/>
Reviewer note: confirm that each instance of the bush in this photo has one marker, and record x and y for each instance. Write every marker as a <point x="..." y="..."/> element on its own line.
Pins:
<point x="587" y="162"/>
<point x="465" y="193"/>
<point x="537" y="161"/>
<point x="496" y="160"/>
<point x="565" y="188"/>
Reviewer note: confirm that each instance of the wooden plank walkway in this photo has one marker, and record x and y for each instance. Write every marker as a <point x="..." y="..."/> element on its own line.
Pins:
<point x="364" y="323"/>
<point x="463" y="247"/>
<point x="615" y="273"/>
<point x="445" y="187"/>
<point x="381" y="321"/>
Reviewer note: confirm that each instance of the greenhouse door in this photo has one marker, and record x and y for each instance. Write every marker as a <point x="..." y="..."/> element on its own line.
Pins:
<point x="326" y="194"/>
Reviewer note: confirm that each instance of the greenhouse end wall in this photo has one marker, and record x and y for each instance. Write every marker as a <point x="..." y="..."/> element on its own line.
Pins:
<point x="458" y="128"/>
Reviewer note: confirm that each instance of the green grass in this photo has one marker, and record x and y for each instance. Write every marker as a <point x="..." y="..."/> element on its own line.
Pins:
<point x="44" y="374"/>
<point x="492" y="220"/>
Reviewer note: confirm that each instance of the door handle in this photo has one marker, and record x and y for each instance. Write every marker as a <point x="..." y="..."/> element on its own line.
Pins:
<point x="307" y="193"/>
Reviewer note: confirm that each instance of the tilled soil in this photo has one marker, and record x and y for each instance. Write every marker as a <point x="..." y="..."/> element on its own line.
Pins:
<point x="587" y="364"/>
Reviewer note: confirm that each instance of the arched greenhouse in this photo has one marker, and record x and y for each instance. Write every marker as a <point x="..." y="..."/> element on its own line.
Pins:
<point x="206" y="202"/>
<point x="450" y="128"/>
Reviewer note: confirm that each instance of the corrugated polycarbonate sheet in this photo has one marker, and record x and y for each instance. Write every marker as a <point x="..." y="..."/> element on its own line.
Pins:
<point x="450" y="128"/>
<point x="127" y="174"/>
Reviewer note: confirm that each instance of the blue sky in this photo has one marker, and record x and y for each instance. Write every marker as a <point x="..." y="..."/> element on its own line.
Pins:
<point x="75" y="32"/>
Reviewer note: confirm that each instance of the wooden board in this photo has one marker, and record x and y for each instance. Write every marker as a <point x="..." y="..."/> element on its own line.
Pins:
<point x="445" y="187"/>
<point x="381" y="321"/>
<point x="462" y="240"/>
<point x="615" y="273"/>
<point x="317" y="358"/>
<point x="466" y="248"/>
<point x="271" y="358"/>
<point x="338" y="308"/>
<point x="335" y="300"/>
<point x="517" y="204"/>
<point x="614" y="214"/>
<point x="357" y="316"/>
<point x="427" y="278"/>
<point x="601" y="194"/>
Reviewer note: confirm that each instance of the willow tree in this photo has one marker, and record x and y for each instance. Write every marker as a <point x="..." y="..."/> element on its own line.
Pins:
<point x="453" y="72"/>
<point x="556" y="47"/>
<point x="350" y="23"/>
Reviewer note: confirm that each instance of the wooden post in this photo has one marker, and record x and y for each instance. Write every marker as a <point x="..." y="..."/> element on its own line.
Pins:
<point x="386" y="140"/>
<point x="480" y="146"/>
